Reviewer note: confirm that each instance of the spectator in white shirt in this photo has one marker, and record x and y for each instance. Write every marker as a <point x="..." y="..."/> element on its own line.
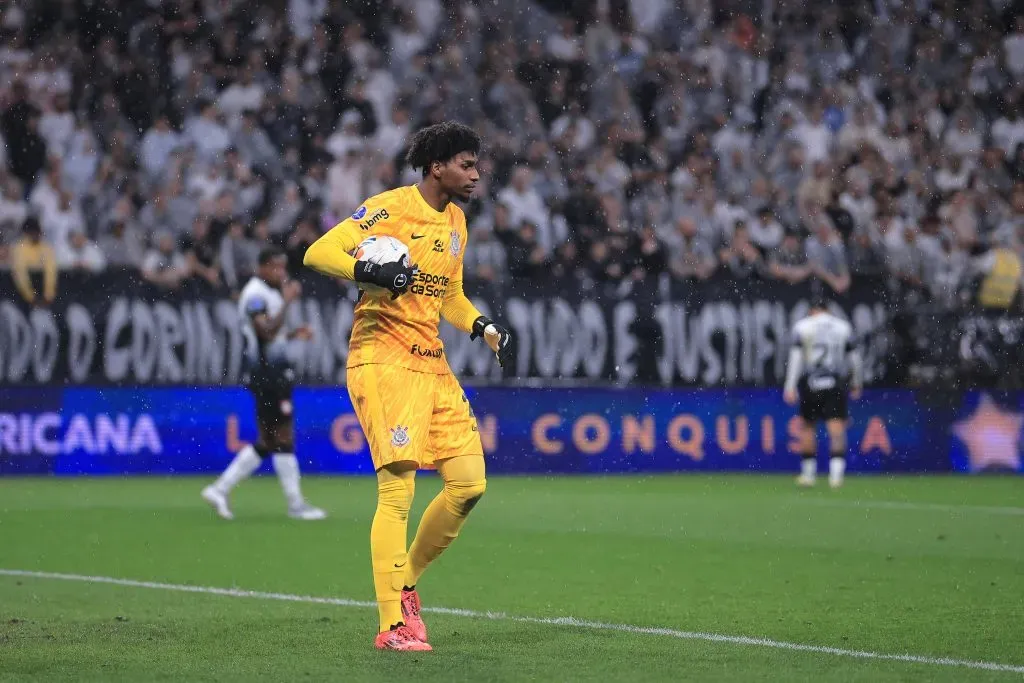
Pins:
<point x="953" y="174"/>
<point x="345" y="181"/>
<point x="60" y="222"/>
<point x="165" y="265"/>
<point x="862" y="130"/>
<point x="303" y="15"/>
<point x="573" y="130"/>
<point x="609" y="174"/>
<point x="13" y="210"/>
<point x="815" y="135"/>
<point x="157" y="144"/>
<point x="856" y="199"/>
<point x="348" y="137"/>
<point x="565" y="45"/>
<point x="963" y="139"/>
<point x="57" y="124"/>
<point x="525" y="204"/>
<point x="765" y="230"/>
<point x="1008" y="130"/>
<point x="207" y="184"/>
<point x="45" y="193"/>
<point x="79" y="253"/>
<point x="1013" y="47"/>
<point x="391" y="135"/>
<point x="245" y="94"/>
<point x="207" y="133"/>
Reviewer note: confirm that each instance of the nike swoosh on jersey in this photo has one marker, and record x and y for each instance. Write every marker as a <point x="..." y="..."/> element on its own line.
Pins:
<point x="416" y="237"/>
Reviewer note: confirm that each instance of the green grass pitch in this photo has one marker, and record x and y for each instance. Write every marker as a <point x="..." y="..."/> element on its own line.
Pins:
<point x="932" y="567"/>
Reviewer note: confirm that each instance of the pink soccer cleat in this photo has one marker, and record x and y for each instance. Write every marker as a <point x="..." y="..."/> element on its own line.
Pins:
<point x="400" y="639"/>
<point x="411" y="615"/>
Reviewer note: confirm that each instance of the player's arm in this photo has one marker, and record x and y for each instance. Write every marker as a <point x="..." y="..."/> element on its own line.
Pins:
<point x="331" y="255"/>
<point x="457" y="309"/>
<point x="793" y="370"/>
<point x="856" y="369"/>
<point x="267" y="326"/>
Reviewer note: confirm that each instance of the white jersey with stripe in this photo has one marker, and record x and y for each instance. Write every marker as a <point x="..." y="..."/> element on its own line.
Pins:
<point x="825" y="342"/>
<point x="257" y="297"/>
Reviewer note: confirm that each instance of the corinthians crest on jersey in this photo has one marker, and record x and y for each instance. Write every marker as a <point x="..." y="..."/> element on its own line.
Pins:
<point x="454" y="243"/>
<point x="399" y="436"/>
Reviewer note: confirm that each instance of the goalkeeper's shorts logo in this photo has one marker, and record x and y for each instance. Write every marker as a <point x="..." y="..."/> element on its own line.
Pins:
<point x="399" y="436"/>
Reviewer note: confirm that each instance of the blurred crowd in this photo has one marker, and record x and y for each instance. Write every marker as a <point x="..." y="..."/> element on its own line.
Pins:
<point x="626" y="140"/>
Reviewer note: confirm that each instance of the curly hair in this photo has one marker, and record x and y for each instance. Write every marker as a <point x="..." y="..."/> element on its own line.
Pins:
<point x="441" y="142"/>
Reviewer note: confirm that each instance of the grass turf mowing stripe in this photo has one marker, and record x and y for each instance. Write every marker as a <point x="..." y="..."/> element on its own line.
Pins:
<point x="549" y="621"/>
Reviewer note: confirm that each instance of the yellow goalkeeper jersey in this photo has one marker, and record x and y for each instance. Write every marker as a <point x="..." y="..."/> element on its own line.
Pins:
<point x="403" y="331"/>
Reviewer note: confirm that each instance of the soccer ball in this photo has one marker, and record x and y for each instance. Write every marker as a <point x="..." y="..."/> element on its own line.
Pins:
<point x="380" y="249"/>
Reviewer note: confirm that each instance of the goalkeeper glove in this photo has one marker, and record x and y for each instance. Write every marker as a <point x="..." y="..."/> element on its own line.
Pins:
<point x="394" y="277"/>
<point x="496" y="336"/>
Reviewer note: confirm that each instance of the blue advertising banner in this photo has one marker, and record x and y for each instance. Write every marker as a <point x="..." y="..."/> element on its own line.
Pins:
<point x="98" y="431"/>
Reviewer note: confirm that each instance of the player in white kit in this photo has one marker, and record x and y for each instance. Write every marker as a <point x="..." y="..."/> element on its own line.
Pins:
<point x="824" y="365"/>
<point x="262" y="305"/>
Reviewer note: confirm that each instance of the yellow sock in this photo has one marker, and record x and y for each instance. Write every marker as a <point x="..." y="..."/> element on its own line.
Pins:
<point x="388" y="536"/>
<point x="464" y="483"/>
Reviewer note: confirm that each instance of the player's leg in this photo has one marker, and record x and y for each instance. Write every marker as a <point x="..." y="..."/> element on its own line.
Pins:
<point x="809" y="416"/>
<point x="837" y="451"/>
<point x="808" y="454"/>
<point x="247" y="460"/>
<point x="835" y="412"/>
<point x="459" y="459"/>
<point x="388" y="537"/>
<point x="396" y="431"/>
<point x="286" y="465"/>
<point x="464" y="484"/>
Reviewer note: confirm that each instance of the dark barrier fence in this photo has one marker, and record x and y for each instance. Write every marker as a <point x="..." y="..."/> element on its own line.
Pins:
<point x="115" y="328"/>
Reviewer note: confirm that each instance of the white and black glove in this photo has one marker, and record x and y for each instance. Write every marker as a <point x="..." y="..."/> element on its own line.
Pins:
<point x="394" y="277"/>
<point x="497" y="337"/>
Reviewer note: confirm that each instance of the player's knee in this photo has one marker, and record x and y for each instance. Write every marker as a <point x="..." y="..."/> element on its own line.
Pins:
<point x="462" y="496"/>
<point x="394" y="499"/>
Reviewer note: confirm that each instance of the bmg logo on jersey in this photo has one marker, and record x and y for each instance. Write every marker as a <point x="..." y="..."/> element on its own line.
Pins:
<point x="429" y="284"/>
<point x="381" y="215"/>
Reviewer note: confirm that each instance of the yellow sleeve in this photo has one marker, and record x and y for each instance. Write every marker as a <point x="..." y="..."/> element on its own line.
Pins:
<point x="456" y="307"/>
<point x="19" y="271"/>
<point x="330" y="254"/>
<point x="49" y="273"/>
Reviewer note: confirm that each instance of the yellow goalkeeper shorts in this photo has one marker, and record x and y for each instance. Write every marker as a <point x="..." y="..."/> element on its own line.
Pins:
<point x="412" y="416"/>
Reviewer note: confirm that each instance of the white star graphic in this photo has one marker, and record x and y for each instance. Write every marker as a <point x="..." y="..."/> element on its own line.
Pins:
<point x="992" y="436"/>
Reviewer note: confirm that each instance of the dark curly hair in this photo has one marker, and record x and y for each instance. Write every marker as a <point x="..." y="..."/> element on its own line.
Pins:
<point x="441" y="142"/>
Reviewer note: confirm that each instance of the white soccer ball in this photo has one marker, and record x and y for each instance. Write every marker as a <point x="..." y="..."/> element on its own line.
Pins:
<point x="381" y="249"/>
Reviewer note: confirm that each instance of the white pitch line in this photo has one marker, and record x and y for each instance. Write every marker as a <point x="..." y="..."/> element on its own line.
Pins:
<point x="923" y="507"/>
<point x="549" y="621"/>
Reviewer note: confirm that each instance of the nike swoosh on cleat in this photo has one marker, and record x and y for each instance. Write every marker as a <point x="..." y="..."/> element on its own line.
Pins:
<point x="416" y="237"/>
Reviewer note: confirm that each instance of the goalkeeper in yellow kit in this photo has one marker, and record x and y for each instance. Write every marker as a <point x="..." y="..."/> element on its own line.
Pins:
<point x="411" y="408"/>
